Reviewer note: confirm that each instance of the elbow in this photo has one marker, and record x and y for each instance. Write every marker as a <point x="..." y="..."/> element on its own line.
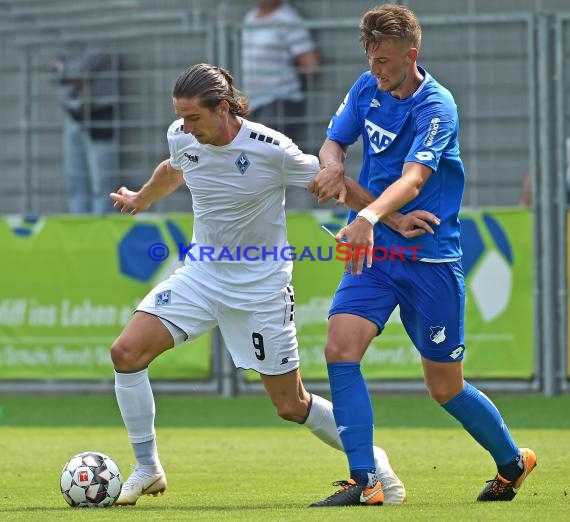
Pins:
<point x="416" y="185"/>
<point x="415" y="192"/>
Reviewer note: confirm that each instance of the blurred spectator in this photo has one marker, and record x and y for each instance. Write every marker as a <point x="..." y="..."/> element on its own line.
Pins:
<point x="274" y="60"/>
<point x="88" y="88"/>
<point x="275" y="63"/>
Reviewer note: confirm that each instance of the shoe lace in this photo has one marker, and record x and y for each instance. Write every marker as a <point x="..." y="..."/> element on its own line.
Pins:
<point x="343" y="485"/>
<point x="131" y="481"/>
<point x="498" y="486"/>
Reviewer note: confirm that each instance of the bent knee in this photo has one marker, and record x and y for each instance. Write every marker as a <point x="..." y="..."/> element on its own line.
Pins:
<point x="337" y="352"/>
<point x="125" y="356"/>
<point x="441" y="394"/>
<point x="292" y="412"/>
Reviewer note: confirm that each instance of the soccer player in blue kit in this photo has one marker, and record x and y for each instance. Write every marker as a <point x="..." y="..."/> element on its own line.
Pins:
<point x="409" y="126"/>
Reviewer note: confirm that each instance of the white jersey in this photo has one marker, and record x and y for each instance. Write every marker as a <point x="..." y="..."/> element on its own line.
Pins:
<point x="238" y="194"/>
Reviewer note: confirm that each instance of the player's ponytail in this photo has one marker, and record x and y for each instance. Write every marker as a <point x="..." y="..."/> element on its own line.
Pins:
<point x="211" y="84"/>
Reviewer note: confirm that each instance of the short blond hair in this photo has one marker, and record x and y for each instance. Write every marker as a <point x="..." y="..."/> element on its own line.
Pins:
<point x="390" y="21"/>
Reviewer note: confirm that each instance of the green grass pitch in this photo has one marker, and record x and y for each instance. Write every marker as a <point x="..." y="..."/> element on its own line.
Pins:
<point x="219" y="469"/>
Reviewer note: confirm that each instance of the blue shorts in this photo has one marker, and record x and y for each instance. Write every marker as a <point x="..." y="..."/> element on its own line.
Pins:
<point x="431" y="297"/>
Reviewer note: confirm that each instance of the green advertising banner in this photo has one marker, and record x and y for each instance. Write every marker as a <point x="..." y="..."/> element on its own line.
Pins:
<point x="499" y="331"/>
<point x="70" y="284"/>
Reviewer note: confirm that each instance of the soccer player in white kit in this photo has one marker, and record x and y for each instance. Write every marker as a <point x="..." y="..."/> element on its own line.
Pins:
<point x="237" y="172"/>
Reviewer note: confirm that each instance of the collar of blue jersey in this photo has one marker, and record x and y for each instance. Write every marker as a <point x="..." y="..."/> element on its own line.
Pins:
<point x="426" y="76"/>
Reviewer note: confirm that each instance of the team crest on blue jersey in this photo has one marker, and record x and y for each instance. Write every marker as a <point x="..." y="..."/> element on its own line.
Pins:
<point x="380" y="138"/>
<point x="437" y="334"/>
<point x="242" y="163"/>
<point x="162" y="298"/>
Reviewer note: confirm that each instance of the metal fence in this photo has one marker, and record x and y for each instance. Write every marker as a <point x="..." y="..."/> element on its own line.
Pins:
<point x="487" y="61"/>
<point x="506" y="72"/>
<point x="559" y="366"/>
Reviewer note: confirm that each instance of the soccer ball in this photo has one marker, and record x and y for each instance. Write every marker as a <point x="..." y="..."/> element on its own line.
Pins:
<point x="90" y="479"/>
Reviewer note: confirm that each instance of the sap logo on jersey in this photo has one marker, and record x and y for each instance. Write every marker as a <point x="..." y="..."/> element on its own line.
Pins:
<point x="380" y="138"/>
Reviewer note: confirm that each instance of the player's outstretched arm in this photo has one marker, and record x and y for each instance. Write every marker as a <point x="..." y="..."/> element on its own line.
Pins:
<point x="164" y="181"/>
<point x="357" y="197"/>
<point x="329" y="182"/>
<point x="412" y="224"/>
<point x="402" y="191"/>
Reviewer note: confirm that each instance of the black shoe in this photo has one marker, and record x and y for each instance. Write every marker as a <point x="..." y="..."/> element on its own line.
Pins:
<point x="351" y="494"/>
<point x="502" y="489"/>
<point x="497" y="489"/>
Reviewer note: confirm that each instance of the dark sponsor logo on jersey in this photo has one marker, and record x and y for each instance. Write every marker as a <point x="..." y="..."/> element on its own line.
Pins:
<point x="192" y="157"/>
<point x="262" y="137"/>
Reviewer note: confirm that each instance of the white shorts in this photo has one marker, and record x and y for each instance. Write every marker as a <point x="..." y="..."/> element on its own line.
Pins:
<point x="259" y="332"/>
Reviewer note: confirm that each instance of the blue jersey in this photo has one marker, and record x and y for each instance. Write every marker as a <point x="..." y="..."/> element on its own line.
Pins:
<point x="422" y="128"/>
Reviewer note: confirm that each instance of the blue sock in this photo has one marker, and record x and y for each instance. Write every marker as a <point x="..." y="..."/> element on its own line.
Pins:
<point x="354" y="418"/>
<point x="482" y="420"/>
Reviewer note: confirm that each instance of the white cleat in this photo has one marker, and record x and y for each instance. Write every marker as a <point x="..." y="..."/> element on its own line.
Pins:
<point x="144" y="480"/>
<point x="394" y="490"/>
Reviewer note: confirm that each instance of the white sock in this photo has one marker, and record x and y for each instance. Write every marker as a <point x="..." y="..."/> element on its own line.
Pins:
<point x="147" y="454"/>
<point x="321" y="423"/>
<point x="383" y="467"/>
<point x="136" y="402"/>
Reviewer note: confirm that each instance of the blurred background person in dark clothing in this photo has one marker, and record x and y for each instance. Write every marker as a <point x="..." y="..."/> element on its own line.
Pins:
<point x="88" y="85"/>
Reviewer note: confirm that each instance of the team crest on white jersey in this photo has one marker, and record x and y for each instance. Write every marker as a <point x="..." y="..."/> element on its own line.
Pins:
<point x="437" y="334"/>
<point x="380" y="138"/>
<point x="242" y="163"/>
